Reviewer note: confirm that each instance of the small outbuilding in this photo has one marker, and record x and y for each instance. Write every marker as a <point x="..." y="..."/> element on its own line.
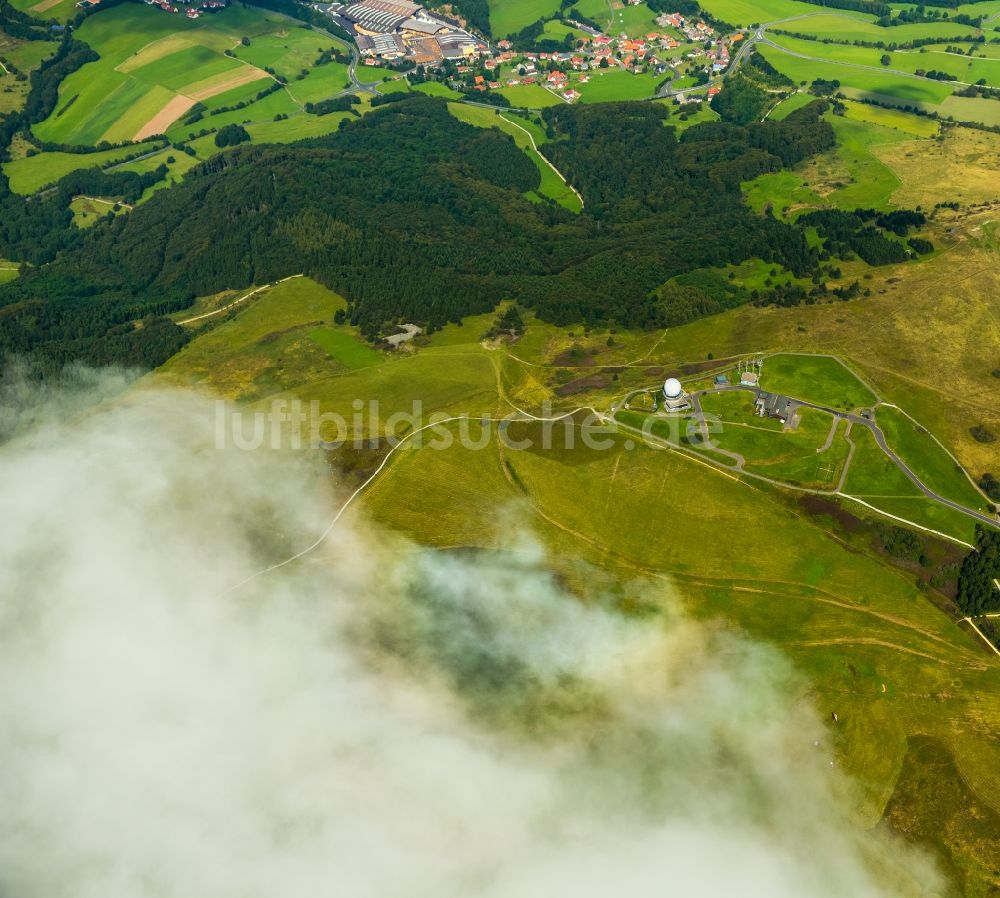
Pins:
<point x="771" y="405"/>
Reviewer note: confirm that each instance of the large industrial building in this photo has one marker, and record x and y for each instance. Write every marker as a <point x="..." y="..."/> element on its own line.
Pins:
<point x="390" y="29"/>
<point x="381" y="16"/>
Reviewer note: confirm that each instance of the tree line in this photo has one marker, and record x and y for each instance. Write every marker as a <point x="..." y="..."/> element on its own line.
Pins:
<point x="412" y="214"/>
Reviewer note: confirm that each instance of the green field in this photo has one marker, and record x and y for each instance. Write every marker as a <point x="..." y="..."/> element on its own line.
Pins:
<point x="846" y="27"/>
<point x="705" y="114"/>
<point x="530" y="96"/>
<point x="270" y="344"/>
<point x="632" y="20"/>
<point x="551" y="185"/>
<point x="177" y="163"/>
<point x="150" y="59"/>
<point x="87" y="211"/>
<point x="278" y="103"/>
<point x="781" y="191"/>
<point x="32" y="173"/>
<point x="747" y="12"/>
<point x="926" y="458"/>
<point x="12" y="91"/>
<point x="437" y="89"/>
<point x="907" y="122"/>
<point x="60" y="11"/>
<point x="616" y="18"/>
<point x="556" y="30"/>
<point x="610" y="85"/>
<point x="789" y="455"/>
<point x="873" y="474"/>
<point x="848" y="177"/>
<point x="291" y="53"/>
<point x="787" y="106"/>
<point x="8" y="272"/>
<point x="344" y="347"/>
<point x="875" y="479"/>
<point x="822" y="380"/>
<point x="963" y="69"/>
<point x="901" y="88"/>
<point x="510" y="16"/>
<point x="297" y="127"/>
<point x="971" y="109"/>
<point x="25" y="54"/>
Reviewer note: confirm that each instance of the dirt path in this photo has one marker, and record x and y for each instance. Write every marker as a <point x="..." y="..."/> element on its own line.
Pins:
<point x="534" y="146"/>
<point x="106" y="202"/>
<point x="158" y="124"/>
<point x="385" y="461"/>
<point x="236" y="302"/>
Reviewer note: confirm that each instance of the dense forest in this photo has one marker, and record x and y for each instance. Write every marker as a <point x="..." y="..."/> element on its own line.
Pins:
<point x="410" y="213"/>
<point x="977" y="582"/>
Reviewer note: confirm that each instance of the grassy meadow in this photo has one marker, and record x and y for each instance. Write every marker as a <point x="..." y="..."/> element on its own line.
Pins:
<point x="903" y="89"/>
<point x="88" y="211"/>
<point x="57" y="10"/>
<point x="31" y="173"/>
<point x="846" y="27"/>
<point x="875" y="649"/>
<point x="850" y="176"/>
<point x="749" y="12"/>
<point x="822" y="380"/>
<point x="510" y="16"/>
<point x="963" y="69"/>
<point x="927" y="458"/>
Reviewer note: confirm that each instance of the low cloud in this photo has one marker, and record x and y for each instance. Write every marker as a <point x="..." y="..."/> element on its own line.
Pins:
<point x="377" y="720"/>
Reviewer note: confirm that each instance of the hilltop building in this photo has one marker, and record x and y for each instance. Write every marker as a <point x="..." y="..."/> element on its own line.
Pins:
<point x="674" y="397"/>
<point x="771" y="405"/>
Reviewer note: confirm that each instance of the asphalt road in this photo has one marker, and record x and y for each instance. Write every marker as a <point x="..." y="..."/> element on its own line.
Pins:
<point x="856" y="420"/>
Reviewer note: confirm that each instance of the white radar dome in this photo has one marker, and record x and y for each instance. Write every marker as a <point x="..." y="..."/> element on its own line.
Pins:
<point x="672" y="389"/>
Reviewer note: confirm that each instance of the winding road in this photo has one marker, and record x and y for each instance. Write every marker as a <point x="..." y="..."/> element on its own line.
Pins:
<point x="855" y="421"/>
